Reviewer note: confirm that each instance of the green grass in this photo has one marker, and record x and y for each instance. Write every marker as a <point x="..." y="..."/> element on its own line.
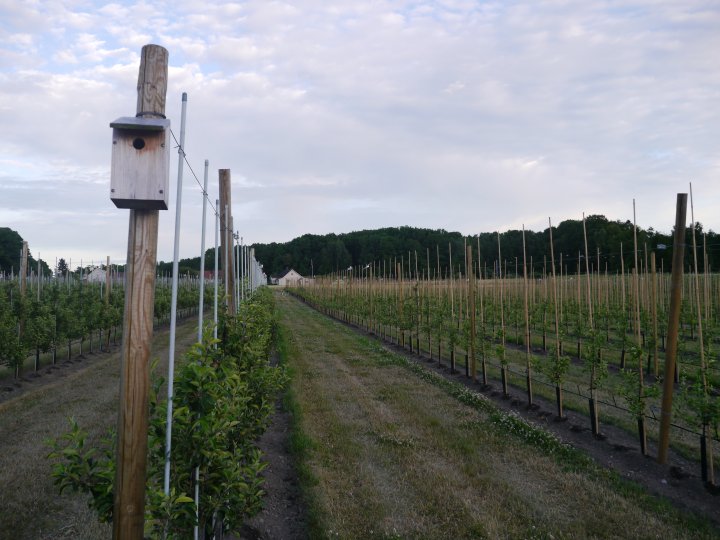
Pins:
<point x="30" y="505"/>
<point x="388" y="449"/>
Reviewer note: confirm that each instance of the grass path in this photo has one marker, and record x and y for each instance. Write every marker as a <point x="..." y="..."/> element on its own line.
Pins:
<point x="30" y="507"/>
<point x="385" y="453"/>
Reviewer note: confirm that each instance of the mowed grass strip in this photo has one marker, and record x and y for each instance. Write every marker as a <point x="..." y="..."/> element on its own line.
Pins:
<point x="30" y="506"/>
<point x="387" y="453"/>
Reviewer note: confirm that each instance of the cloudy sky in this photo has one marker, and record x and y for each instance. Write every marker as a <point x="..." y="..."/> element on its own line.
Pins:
<point x="345" y="115"/>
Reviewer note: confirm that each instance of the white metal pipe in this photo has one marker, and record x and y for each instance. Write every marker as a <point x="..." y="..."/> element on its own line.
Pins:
<point x="173" y="298"/>
<point x="237" y="271"/>
<point x="242" y="268"/>
<point x="202" y="254"/>
<point x="200" y="328"/>
<point x="217" y="228"/>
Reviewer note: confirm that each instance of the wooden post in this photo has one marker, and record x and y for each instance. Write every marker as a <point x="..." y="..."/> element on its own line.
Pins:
<point x="528" y="369"/>
<point x="39" y="282"/>
<point x="226" y="238"/>
<point x="23" y="289"/>
<point x="471" y="303"/>
<point x="23" y="268"/>
<point x="129" y="510"/>
<point x="108" y="281"/>
<point x="673" y="326"/>
<point x="653" y="307"/>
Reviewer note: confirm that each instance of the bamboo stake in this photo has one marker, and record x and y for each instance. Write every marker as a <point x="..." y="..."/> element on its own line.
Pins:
<point x="23" y="291"/>
<point x="587" y="273"/>
<point x="528" y="371"/>
<point x="703" y="374"/>
<point x="594" y="417"/>
<point x="558" y="386"/>
<point x="471" y="307"/>
<point x="482" y="319"/>
<point x="641" y="387"/>
<point x="452" y="308"/>
<point x="673" y="326"/>
<point x="503" y="366"/>
<point x="653" y="306"/>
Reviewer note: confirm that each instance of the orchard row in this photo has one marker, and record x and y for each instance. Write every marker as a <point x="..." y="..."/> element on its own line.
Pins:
<point x="578" y="336"/>
<point x="58" y="314"/>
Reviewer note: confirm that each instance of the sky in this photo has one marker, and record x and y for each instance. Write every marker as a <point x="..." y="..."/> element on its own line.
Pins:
<point x="336" y="116"/>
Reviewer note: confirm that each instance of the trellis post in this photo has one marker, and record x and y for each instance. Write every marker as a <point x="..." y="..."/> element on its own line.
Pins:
<point x="129" y="509"/>
<point x="673" y="326"/>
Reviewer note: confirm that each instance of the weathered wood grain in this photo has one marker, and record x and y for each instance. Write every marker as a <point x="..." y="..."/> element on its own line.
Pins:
<point x="129" y="509"/>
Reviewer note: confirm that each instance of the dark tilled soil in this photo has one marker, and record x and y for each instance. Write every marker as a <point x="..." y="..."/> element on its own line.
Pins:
<point x="283" y="515"/>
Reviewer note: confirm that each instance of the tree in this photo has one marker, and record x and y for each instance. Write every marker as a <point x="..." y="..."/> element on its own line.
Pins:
<point x="10" y="248"/>
<point x="62" y="268"/>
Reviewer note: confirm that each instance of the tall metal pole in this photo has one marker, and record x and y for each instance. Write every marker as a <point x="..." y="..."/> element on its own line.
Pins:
<point x="238" y="283"/>
<point x="202" y="253"/>
<point x="252" y="270"/>
<point x="242" y="269"/>
<point x="200" y="326"/>
<point x="217" y="229"/>
<point x="173" y="298"/>
<point x="673" y="326"/>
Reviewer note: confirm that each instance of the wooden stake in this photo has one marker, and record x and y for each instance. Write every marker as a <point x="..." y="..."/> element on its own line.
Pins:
<point x="673" y="326"/>
<point x="708" y="474"/>
<point x="471" y="307"/>
<point x="23" y="289"/>
<point x="653" y="307"/>
<point x="503" y="366"/>
<point x="587" y="275"/>
<point x="558" y="352"/>
<point x="226" y="238"/>
<point x="108" y="282"/>
<point x="129" y="510"/>
<point x="23" y="268"/>
<point x="528" y="371"/>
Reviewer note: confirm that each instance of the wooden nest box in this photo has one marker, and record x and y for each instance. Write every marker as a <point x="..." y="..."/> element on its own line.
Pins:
<point x="140" y="163"/>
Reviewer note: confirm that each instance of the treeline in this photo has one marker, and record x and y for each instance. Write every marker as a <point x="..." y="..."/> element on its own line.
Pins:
<point x="11" y="251"/>
<point x="322" y="254"/>
<point x="313" y="254"/>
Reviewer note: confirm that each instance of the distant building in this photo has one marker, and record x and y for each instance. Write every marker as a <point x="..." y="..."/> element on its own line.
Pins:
<point x="289" y="278"/>
<point x="96" y="275"/>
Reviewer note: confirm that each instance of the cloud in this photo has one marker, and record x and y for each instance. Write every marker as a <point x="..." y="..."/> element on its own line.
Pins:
<point x="344" y="115"/>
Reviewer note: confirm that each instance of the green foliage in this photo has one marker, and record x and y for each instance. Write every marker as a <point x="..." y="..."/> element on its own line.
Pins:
<point x="12" y="351"/>
<point x="10" y="247"/>
<point x="40" y="326"/>
<point x="555" y="366"/>
<point x="87" y="469"/>
<point x="331" y="252"/>
<point x="500" y="347"/>
<point x="595" y="363"/>
<point x="700" y="397"/>
<point x="635" y="393"/>
<point x="223" y="396"/>
<point x="703" y="408"/>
